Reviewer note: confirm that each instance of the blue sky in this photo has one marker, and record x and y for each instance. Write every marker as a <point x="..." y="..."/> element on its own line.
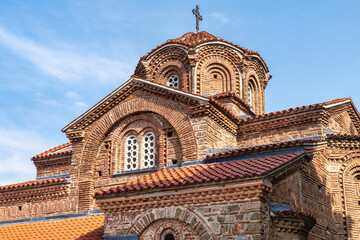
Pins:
<point x="58" y="58"/>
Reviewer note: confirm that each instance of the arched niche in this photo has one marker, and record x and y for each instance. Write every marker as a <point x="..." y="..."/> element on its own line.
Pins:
<point x="179" y="221"/>
<point x="349" y="177"/>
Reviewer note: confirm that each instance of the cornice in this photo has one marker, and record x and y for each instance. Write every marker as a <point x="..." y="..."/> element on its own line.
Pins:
<point x="123" y="92"/>
<point x="219" y="193"/>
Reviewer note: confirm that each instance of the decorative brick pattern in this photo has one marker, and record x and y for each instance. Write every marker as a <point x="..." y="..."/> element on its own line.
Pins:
<point x="306" y="157"/>
<point x="36" y="198"/>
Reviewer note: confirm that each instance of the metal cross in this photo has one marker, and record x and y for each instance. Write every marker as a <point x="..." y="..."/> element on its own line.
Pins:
<point x="198" y="17"/>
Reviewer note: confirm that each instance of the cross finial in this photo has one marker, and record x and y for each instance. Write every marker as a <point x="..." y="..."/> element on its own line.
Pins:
<point x="198" y="17"/>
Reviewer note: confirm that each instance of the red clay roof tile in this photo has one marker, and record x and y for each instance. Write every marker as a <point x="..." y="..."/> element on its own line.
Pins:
<point x="89" y="228"/>
<point x="192" y="40"/>
<point x="32" y="184"/>
<point x="56" y="151"/>
<point x="261" y="148"/>
<point x="292" y="110"/>
<point x="197" y="174"/>
<point x="235" y="96"/>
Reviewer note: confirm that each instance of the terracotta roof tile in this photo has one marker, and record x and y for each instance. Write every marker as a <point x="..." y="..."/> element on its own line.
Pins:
<point x="90" y="228"/>
<point x="262" y="148"/>
<point x="201" y="173"/>
<point x="195" y="39"/>
<point x="231" y="94"/>
<point x="56" y="151"/>
<point x="32" y="184"/>
<point x="292" y="110"/>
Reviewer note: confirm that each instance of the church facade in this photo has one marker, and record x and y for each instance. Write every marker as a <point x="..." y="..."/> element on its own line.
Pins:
<point x="185" y="150"/>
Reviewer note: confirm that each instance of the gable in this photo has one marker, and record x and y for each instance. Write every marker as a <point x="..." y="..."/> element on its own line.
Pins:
<point x="122" y="92"/>
<point x="343" y="118"/>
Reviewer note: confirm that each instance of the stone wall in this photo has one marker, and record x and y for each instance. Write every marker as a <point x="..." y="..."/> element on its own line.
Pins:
<point x="36" y="202"/>
<point x="199" y="213"/>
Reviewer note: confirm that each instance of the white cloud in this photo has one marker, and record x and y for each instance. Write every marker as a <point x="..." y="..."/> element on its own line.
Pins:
<point x="81" y="104"/>
<point x="71" y="94"/>
<point x="66" y="66"/>
<point x="19" y="139"/>
<point x="17" y="146"/>
<point x="221" y="17"/>
<point x="39" y="97"/>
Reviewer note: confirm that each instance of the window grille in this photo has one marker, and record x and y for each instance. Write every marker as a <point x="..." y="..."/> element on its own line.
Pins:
<point x="173" y="81"/>
<point x="131" y="153"/>
<point x="148" y="150"/>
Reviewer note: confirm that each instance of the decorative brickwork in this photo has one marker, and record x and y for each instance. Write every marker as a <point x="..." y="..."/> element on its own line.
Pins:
<point x="199" y="214"/>
<point x="36" y="198"/>
<point x="206" y="65"/>
<point x="184" y="150"/>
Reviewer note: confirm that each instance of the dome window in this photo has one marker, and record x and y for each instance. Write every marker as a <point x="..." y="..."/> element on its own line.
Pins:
<point x="173" y="81"/>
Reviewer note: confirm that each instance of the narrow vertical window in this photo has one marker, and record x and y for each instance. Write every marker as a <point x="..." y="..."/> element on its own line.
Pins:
<point x="148" y="150"/>
<point x="250" y="94"/>
<point x="173" y="81"/>
<point x="131" y="153"/>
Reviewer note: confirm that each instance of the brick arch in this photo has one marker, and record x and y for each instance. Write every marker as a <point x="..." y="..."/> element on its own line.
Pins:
<point x="168" y="227"/>
<point x="253" y="80"/>
<point x="257" y="67"/>
<point x="223" y="55"/>
<point x="180" y="214"/>
<point x="141" y="71"/>
<point x="171" y="67"/>
<point x="350" y="164"/>
<point x="171" y="55"/>
<point x="227" y="69"/>
<point x="170" y="111"/>
<point x="253" y="68"/>
<point x="159" y="124"/>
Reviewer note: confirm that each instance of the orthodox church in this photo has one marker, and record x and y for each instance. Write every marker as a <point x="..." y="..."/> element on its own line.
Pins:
<point x="184" y="150"/>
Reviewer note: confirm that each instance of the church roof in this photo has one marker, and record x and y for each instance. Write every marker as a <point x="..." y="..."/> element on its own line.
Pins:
<point x="193" y="40"/>
<point x="56" y="151"/>
<point x="205" y="173"/>
<point x="33" y="184"/>
<point x="235" y="97"/>
<point x="89" y="228"/>
<point x="136" y="83"/>
<point x="296" y="110"/>
<point x="265" y="147"/>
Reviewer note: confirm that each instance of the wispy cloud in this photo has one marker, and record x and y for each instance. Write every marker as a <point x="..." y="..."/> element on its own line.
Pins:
<point x="221" y="17"/>
<point x="81" y="104"/>
<point x="224" y="17"/>
<point x="17" y="146"/>
<point x="66" y="66"/>
<point x="71" y="95"/>
<point x="39" y="97"/>
<point x="75" y="98"/>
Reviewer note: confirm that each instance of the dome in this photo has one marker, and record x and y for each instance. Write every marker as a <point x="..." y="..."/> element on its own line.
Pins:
<point x="203" y="64"/>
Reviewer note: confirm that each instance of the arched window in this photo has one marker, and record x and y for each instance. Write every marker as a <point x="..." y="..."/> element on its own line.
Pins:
<point x="173" y="81"/>
<point x="148" y="150"/>
<point x="131" y="153"/>
<point x="250" y="94"/>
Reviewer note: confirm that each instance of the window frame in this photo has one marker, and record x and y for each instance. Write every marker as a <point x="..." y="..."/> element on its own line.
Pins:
<point x="127" y="151"/>
<point x="146" y="156"/>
